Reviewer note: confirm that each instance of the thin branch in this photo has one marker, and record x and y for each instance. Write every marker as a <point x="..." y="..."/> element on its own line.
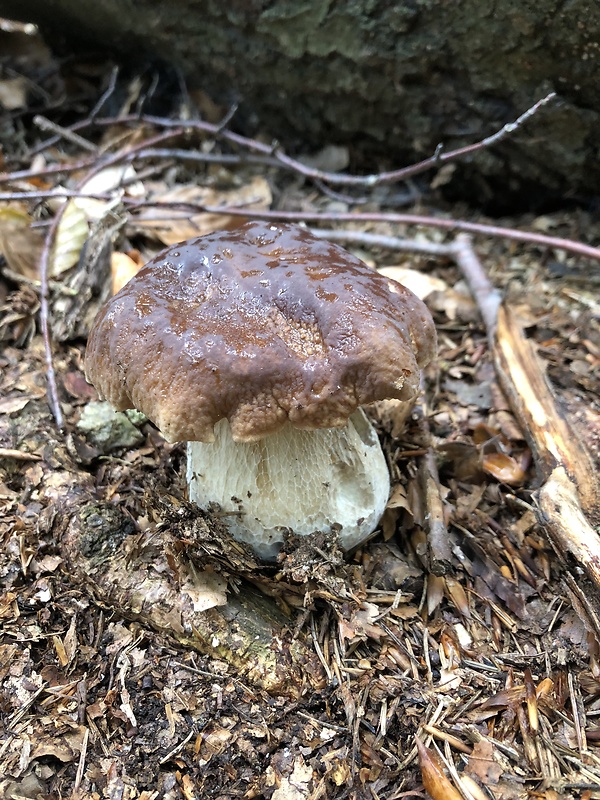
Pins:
<point x="333" y="178"/>
<point x="45" y="316"/>
<point x="125" y="154"/>
<point x="487" y="297"/>
<point x="45" y="124"/>
<point x="451" y="225"/>
<point x="388" y="242"/>
<point x="114" y="74"/>
<point x="55" y="169"/>
<point x="50" y="195"/>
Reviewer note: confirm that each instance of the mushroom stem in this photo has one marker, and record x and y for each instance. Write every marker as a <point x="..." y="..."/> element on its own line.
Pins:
<point x="298" y="480"/>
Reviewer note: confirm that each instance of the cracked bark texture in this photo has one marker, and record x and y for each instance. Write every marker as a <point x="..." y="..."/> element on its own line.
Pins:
<point x="393" y="78"/>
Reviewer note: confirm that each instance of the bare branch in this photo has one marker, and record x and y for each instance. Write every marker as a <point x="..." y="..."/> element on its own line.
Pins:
<point x="44" y="319"/>
<point x="333" y="178"/>
<point x="451" y="225"/>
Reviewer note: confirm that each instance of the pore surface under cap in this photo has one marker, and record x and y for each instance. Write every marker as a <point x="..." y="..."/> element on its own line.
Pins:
<point x="263" y="325"/>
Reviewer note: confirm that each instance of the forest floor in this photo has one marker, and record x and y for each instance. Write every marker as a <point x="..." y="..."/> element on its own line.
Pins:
<point x="410" y="668"/>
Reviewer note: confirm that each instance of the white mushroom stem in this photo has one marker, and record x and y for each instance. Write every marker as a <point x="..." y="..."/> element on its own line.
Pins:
<point x="304" y="481"/>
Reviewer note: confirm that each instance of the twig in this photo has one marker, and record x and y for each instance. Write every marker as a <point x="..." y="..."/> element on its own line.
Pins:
<point x="451" y="225"/>
<point x="125" y="154"/>
<point x="55" y="169"/>
<point x="438" y="540"/>
<point x="50" y="194"/>
<point x="81" y="765"/>
<point x="114" y="74"/>
<point x="388" y="242"/>
<point x="44" y="318"/>
<point x="207" y="158"/>
<point x="64" y="133"/>
<point x="333" y="178"/>
<point x="488" y="298"/>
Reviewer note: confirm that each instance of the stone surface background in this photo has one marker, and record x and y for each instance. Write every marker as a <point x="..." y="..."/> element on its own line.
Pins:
<point x="392" y="79"/>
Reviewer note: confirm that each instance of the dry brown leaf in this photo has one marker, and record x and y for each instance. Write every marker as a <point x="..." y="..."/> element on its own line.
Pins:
<point x="253" y="196"/>
<point x="505" y="698"/>
<point x="296" y="786"/>
<point x="204" y="589"/>
<point x="434" y="777"/>
<point x="212" y="743"/>
<point x="392" y="414"/>
<point x="435" y="592"/>
<point x="398" y="498"/>
<point x="458" y="596"/>
<point x="10" y="405"/>
<point x="70" y="237"/>
<point x="503" y="468"/>
<point x="107" y="182"/>
<point x="362" y="623"/>
<point x="123" y="267"/>
<point x="420" y="283"/>
<point x="64" y="747"/>
<point x="483" y="765"/>
<point x="20" y="244"/>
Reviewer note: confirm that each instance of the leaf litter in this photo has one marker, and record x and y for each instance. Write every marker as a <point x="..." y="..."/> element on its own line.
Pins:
<point x="143" y="654"/>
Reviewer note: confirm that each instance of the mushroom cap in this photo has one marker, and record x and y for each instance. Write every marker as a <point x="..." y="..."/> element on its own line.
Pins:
<point x="264" y="325"/>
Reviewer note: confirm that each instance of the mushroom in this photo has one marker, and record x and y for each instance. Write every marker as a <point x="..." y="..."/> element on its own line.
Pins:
<point x="258" y="348"/>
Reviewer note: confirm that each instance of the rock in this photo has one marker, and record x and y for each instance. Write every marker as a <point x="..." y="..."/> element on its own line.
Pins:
<point x="108" y="429"/>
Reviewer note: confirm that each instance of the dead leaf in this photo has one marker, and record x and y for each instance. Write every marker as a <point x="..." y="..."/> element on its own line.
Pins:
<point x="295" y="787"/>
<point x="482" y="764"/>
<point x="123" y="267"/>
<point x="76" y="385"/>
<point x="205" y="589"/>
<point x="13" y="93"/>
<point x="10" y="405"/>
<point x="435" y="592"/>
<point x="20" y="244"/>
<point x="65" y="747"/>
<point x="505" y="698"/>
<point x="504" y="469"/>
<point x="255" y="196"/>
<point x="420" y="283"/>
<point x="434" y="778"/>
<point x="467" y="394"/>
<point x="108" y="181"/>
<point x="458" y="596"/>
<point x="70" y="237"/>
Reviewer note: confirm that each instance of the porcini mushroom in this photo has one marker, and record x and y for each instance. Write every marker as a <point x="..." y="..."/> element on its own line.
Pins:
<point x="258" y="347"/>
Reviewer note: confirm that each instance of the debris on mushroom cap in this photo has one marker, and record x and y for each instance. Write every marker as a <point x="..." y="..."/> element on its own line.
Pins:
<point x="263" y="325"/>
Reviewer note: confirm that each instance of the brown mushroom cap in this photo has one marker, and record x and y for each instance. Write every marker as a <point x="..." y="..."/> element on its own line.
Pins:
<point x="263" y="325"/>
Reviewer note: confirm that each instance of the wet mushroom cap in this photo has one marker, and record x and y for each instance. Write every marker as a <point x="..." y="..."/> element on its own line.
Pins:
<point x="263" y="325"/>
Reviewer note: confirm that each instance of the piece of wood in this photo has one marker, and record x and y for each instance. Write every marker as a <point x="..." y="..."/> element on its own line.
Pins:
<point x="553" y="440"/>
<point x="148" y="577"/>
<point x="568" y="499"/>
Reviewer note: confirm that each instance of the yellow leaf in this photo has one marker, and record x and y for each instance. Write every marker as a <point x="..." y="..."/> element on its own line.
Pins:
<point x="70" y="237"/>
